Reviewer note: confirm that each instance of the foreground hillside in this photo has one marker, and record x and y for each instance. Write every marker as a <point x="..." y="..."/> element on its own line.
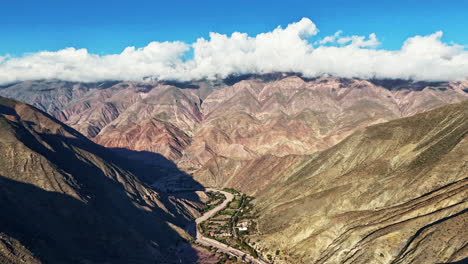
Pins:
<point x="64" y="200"/>
<point x="220" y="130"/>
<point x="390" y="193"/>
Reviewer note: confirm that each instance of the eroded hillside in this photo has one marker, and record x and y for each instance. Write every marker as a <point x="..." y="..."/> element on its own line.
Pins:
<point x="216" y="130"/>
<point x="389" y="193"/>
<point x="63" y="199"/>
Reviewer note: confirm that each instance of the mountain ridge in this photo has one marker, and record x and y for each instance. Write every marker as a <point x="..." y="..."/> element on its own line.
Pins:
<point x="239" y="119"/>
<point x="115" y="107"/>
<point x="373" y="197"/>
<point x="65" y="200"/>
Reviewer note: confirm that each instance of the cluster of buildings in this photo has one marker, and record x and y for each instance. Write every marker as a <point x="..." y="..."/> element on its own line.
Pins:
<point x="219" y="227"/>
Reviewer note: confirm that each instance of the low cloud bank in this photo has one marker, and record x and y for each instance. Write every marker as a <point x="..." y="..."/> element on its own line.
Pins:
<point x="292" y="49"/>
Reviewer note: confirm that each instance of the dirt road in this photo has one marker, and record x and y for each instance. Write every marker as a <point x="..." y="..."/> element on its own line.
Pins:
<point x="220" y="246"/>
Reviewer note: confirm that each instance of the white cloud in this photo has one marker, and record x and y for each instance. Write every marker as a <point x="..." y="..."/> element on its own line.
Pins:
<point x="279" y="50"/>
<point x="330" y="39"/>
<point x="80" y="65"/>
<point x="360" y="41"/>
<point x="354" y="41"/>
<point x="288" y="49"/>
<point x="4" y="58"/>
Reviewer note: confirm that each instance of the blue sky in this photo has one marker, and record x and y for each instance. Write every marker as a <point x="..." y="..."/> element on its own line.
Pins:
<point x="171" y="40"/>
<point x="105" y="27"/>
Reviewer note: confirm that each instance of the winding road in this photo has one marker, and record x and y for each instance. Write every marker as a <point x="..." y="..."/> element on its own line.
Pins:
<point x="220" y="246"/>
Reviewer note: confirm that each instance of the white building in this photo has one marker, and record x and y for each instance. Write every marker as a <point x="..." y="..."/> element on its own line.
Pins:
<point x="242" y="228"/>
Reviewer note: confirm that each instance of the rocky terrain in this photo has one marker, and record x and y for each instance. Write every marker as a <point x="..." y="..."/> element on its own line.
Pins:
<point x="343" y="170"/>
<point x="215" y="130"/>
<point x="65" y="199"/>
<point x="390" y="193"/>
<point x="293" y="116"/>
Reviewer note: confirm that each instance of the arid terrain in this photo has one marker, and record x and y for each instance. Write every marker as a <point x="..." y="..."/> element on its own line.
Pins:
<point x="216" y="130"/>
<point x="65" y="199"/>
<point x="342" y="170"/>
<point x="389" y="193"/>
<point x="233" y="132"/>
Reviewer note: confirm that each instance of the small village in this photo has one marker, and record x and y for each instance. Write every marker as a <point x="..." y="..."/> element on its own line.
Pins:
<point x="231" y="225"/>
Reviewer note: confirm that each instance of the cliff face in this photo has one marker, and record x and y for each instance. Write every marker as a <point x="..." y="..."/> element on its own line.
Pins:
<point x="63" y="199"/>
<point x="390" y="193"/>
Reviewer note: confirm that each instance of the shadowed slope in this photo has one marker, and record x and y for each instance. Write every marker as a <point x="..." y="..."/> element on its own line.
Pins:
<point x="63" y="199"/>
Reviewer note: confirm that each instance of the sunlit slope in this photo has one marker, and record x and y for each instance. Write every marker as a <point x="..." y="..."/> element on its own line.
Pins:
<point x="390" y="193"/>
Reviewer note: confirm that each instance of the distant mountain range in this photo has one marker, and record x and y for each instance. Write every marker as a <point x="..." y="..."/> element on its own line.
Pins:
<point x="343" y="170"/>
<point x="213" y="128"/>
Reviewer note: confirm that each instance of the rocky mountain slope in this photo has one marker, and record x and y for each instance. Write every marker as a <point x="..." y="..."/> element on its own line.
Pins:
<point x="292" y="117"/>
<point x="390" y="193"/>
<point x="64" y="199"/>
<point x="336" y="182"/>
<point x="212" y="129"/>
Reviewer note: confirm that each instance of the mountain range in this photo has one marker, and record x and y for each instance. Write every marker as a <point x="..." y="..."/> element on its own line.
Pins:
<point x="342" y="170"/>
<point x="212" y="129"/>
<point x="65" y="199"/>
<point x="390" y="193"/>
